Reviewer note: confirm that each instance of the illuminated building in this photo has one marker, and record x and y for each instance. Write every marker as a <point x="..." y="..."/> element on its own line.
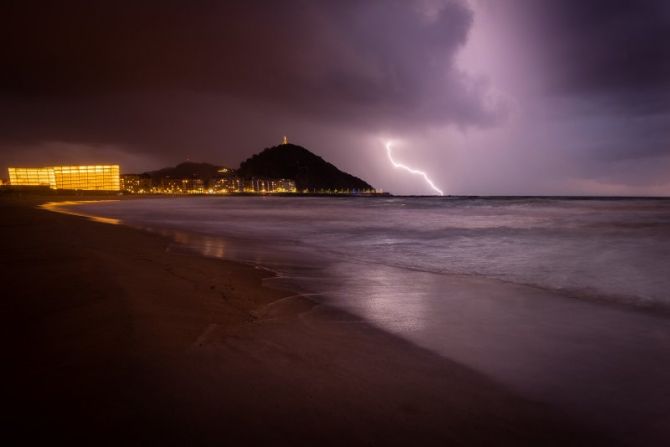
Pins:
<point x="284" y="140"/>
<point x="136" y="183"/>
<point x="103" y="178"/>
<point x="32" y="177"/>
<point x="226" y="184"/>
<point x="180" y="186"/>
<point x="265" y="185"/>
<point x="283" y="185"/>
<point x="96" y="177"/>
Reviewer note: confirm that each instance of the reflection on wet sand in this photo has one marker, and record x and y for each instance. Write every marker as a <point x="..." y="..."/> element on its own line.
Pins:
<point x="602" y="363"/>
<point x="404" y="273"/>
<point x="210" y="246"/>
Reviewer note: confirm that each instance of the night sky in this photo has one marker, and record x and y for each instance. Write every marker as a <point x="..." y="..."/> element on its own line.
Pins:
<point x="488" y="97"/>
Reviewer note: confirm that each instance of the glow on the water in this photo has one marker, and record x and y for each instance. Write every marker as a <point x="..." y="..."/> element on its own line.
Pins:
<point x="411" y="170"/>
<point x="64" y="208"/>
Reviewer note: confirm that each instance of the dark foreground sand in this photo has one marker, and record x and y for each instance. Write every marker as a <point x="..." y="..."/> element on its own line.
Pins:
<point x="115" y="337"/>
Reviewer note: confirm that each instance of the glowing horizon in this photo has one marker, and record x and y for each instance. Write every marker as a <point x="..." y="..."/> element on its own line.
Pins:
<point x="411" y="170"/>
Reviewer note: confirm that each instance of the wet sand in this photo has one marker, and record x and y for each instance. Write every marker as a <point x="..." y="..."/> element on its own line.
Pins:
<point x="117" y="336"/>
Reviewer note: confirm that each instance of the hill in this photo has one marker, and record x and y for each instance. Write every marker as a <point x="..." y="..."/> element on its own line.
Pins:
<point x="309" y="171"/>
<point x="187" y="169"/>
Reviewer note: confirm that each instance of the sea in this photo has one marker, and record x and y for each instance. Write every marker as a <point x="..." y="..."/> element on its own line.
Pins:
<point x="564" y="300"/>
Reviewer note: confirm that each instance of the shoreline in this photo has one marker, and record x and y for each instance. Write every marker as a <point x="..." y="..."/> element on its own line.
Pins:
<point x="123" y="335"/>
<point x="46" y="192"/>
<point x="624" y="303"/>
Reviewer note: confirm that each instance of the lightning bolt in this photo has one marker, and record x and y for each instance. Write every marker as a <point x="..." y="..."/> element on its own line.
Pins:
<point x="412" y="171"/>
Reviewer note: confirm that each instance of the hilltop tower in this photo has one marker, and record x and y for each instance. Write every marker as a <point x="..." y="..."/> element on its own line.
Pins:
<point x="284" y="140"/>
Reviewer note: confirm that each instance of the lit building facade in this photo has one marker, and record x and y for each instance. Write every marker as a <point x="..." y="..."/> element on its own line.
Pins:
<point x="263" y="185"/>
<point x="101" y="177"/>
<point x="89" y="178"/>
<point x="180" y="186"/>
<point x="31" y="177"/>
<point x="136" y="183"/>
<point x="226" y="184"/>
<point x="283" y="185"/>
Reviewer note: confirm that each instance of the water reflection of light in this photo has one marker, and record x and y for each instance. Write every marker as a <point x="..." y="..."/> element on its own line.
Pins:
<point x="60" y="207"/>
<point x="212" y="247"/>
<point x="399" y="307"/>
<point x="209" y="246"/>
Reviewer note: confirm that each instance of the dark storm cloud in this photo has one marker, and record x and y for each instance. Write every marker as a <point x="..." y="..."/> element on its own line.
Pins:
<point x="159" y="81"/>
<point x="617" y="49"/>
<point x="176" y="77"/>
<point x="335" y="59"/>
<point x="605" y="68"/>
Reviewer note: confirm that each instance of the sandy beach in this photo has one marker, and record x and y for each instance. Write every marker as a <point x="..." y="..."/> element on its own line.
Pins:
<point x="118" y="337"/>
